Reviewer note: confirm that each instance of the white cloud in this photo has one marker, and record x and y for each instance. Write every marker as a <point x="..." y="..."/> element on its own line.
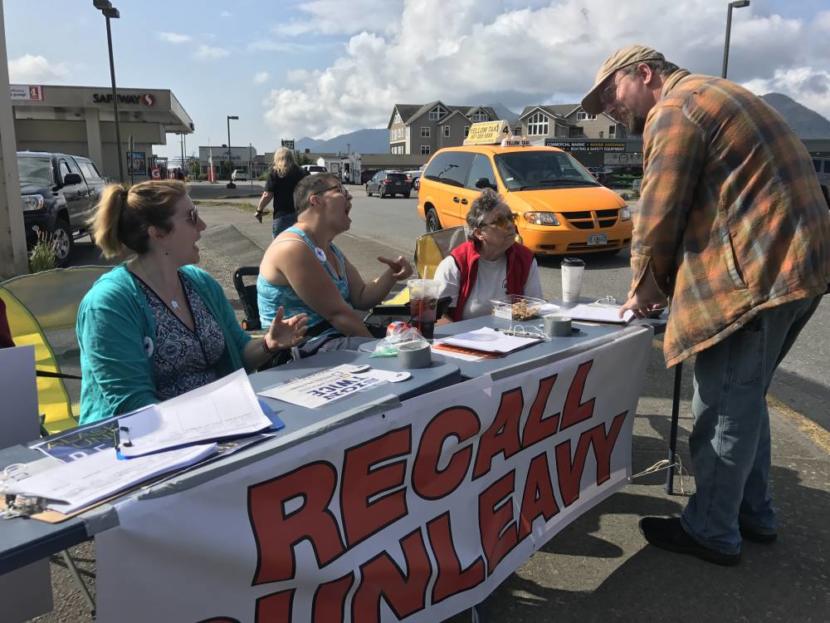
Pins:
<point x="806" y="85"/>
<point x="225" y="14"/>
<point x="35" y="69"/>
<point x="478" y="51"/>
<point x="174" y="37"/>
<point x="338" y="17"/>
<point x="288" y="47"/>
<point x="208" y="53"/>
<point x="261" y="77"/>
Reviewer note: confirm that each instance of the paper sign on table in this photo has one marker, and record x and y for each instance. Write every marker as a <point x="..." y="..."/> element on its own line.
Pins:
<point x="327" y="386"/>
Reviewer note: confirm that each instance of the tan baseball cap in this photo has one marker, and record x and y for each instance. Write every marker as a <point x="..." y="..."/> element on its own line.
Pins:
<point x="623" y="57"/>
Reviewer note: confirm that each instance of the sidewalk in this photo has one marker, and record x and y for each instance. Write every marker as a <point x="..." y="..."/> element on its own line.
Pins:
<point x="600" y="568"/>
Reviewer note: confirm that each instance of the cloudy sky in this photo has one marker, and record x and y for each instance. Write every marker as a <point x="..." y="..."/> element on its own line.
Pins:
<point x="319" y="68"/>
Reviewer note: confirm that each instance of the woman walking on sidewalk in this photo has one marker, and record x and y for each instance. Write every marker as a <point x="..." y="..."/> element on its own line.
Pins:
<point x="282" y="180"/>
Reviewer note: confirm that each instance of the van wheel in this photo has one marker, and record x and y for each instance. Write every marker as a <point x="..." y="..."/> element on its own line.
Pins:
<point x="62" y="240"/>
<point x="433" y="224"/>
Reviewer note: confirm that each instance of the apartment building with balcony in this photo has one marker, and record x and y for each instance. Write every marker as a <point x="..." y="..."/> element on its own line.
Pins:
<point x="567" y="121"/>
<point x="423" y="129"/>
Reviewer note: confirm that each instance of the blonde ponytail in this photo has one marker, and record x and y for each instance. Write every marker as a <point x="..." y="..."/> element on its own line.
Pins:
<point x="107" y="218"/>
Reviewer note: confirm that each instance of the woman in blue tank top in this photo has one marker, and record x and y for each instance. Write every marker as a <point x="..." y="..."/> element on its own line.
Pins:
<point x="303" y="271"/>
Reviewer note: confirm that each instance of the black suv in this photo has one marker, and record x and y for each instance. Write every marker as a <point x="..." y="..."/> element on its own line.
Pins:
<point x="388" y="184"/>
<point x="59" y="195"/>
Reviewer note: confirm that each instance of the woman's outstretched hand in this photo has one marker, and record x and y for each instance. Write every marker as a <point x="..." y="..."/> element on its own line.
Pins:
<point x="285" y="333"/>
<point x="400" y="267"/>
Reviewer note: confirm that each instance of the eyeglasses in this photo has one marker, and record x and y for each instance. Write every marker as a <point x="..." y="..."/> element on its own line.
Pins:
<point x="193" y="216"/>
<point x="503" y="221"/>
<point x="337" y="187"/>
<point x="609" y="94"/>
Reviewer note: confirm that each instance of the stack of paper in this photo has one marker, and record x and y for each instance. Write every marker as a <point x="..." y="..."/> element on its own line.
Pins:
<point x="225" y="408"/>
<point x="489" y="340"/>
<point x="78" y="484"/>
<point x="597" y="312"/>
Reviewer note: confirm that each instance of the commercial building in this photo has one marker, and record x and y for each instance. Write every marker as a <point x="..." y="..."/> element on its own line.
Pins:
<point x="81" y="120"/>
<point x="243" y="158"/>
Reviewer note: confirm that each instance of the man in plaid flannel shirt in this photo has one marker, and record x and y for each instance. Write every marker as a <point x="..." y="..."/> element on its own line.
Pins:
<point x="733" y="228"/>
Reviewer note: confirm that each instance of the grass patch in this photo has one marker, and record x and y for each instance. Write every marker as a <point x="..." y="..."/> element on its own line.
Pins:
<point x="43" y="255"/>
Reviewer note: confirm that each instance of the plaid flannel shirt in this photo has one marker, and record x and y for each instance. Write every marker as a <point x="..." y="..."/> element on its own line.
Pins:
<point x="731" y="217"/>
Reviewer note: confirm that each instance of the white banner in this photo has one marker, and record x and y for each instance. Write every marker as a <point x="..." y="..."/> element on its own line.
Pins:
<point x="411" y="515"/>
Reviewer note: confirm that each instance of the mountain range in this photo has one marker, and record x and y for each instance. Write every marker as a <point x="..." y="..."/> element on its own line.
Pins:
<point x="806" y="122"/>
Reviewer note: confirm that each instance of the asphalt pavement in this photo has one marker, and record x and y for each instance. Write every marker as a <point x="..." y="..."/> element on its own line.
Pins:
<point x="600" y="568"/>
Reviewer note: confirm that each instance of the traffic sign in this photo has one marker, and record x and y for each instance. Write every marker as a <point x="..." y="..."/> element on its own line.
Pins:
<point x="289" y="143"/>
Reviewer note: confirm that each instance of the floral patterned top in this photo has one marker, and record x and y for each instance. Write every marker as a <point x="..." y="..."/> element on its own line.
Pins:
<point x="183" y="359"/>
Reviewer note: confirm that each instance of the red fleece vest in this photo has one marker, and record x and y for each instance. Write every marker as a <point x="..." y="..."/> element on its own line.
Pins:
<point x="519" y="259"/>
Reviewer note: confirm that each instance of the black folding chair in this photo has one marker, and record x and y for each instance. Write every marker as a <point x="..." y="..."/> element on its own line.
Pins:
<point x="247" y="296"/>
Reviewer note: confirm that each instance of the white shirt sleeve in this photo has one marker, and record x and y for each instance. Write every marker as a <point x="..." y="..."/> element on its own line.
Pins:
<point x="449" y="276"/>
<point x="533" y="285"/>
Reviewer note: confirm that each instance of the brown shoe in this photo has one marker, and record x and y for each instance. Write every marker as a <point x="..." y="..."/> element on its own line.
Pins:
<point x="668" y="534"/>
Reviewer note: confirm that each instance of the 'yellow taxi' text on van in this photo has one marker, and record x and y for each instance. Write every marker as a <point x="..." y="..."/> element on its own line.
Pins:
<point x="560" y="206"/>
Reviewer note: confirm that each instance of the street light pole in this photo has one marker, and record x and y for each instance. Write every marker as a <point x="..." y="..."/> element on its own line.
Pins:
<point x="109" y="11"/>
<point x="736" y="4"/>
<point x="230" y="158"/>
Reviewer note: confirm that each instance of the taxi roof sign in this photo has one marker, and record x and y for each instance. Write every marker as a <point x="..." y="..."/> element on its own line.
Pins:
<point x="487" y="133"/>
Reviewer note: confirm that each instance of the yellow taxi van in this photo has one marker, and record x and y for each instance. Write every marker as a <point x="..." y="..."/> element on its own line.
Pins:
<point x="560" y="207"/>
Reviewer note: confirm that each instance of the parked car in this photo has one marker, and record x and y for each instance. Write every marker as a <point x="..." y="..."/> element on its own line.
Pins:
<point x="414" y="178"/>
<point x="239" y="175"/>
<point x="560" y="208"/>
<point x="314" y="169"/>
<point x="388" y="184"/>
<point x="59" y="194"/>
<point x="366" y="175"/>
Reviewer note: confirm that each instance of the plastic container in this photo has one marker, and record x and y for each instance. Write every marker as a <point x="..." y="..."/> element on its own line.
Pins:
<point x="516" y="307"/>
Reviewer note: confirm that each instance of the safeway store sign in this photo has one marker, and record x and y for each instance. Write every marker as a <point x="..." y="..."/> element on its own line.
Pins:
<point x="145" y="99"/>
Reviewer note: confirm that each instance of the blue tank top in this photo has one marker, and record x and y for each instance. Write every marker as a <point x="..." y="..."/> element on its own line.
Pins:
<point x="270" y="296"/>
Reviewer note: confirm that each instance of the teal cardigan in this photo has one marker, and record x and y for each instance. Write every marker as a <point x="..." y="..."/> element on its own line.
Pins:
<point x="116" y="333"/>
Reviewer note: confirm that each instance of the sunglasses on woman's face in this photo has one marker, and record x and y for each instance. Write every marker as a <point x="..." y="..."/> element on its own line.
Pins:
<point x="502" y="221"/>
<point x="193" y="216"/>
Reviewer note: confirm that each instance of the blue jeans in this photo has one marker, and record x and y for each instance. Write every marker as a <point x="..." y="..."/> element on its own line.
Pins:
<point x="283" y="222"/>
<point x="730" y="439"/>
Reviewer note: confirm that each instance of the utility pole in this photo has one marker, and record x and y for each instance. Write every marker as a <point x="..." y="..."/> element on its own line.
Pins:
<point x="110" y="12"/>
<point x="14" y="259"/>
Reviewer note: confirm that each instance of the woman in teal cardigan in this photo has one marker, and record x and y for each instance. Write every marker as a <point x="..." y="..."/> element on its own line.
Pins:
<point x="155" y="326"/>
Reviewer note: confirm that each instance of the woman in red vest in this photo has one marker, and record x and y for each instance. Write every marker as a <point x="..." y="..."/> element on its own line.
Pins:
<point x="490" y="264"/>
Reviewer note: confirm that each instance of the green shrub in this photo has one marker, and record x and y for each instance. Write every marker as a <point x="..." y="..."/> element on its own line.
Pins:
<point x="43" y="255"/>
